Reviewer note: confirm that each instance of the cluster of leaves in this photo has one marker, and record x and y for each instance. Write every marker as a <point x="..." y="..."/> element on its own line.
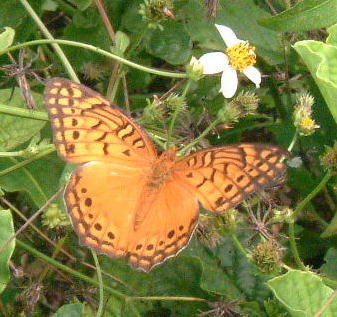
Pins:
<point x="225" y="271"/>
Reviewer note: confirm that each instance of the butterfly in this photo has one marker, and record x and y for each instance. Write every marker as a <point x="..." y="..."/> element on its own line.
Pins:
<point x="124" y="199"/>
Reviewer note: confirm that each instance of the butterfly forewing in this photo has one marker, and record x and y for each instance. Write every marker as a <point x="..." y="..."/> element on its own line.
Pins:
<point x="87" y="127"/>
<point x="222" y="177"/>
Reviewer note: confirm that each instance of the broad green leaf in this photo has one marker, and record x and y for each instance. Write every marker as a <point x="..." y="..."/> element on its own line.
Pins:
<point x="321" y="60"/>
<point x="330" y="266"/>
<point x="172" y="44"/>
<point x="179" y="276"/>
<point x="304" y="16"/>
<point x="303" y="293"/>
<point x="6" y="231"/>
<point x="73" y="310"/>
<point x="6" y="38"/>
<point x="233" y="14"/>
<point x="40" y="179"/>
<point x="15" y="130"/>
<point x="214" y="277"/>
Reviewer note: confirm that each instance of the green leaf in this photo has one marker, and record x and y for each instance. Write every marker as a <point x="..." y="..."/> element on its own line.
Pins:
<point x="330" y="265"/>
<point x="233" y="14"/>
<point x="122" y="43"/>
<point x="304" y="16"/>
<point x="179" y="276"/>
<point x="172" y="44"/>
<point x="321" y="59"/>
<point x="13" y="14"/>
<point x="6" y="38"/>
<point x="73" y="310"/>
<point x="16" y="130"/>
<point x="7" y="230"/>
<point x="332" y="38"/>
<point x="214" y="277"/>
<point x="303" y="293"/>
<point x="40" y="179"/>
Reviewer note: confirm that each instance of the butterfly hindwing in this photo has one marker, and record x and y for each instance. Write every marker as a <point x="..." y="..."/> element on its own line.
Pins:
<point x="87" y="127"/>
<point x="104" y="216"/>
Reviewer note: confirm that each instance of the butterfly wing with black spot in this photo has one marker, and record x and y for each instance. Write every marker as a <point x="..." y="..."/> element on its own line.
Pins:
<point x="87" y="127"/>
<point x="222" y="177"/>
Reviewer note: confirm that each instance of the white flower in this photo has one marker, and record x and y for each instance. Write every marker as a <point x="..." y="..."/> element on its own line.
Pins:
<point x="240" y="57"/>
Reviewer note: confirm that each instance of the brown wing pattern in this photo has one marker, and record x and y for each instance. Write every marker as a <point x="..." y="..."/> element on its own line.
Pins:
<point x="87" y="127"/>
<point x="224" y="176"/>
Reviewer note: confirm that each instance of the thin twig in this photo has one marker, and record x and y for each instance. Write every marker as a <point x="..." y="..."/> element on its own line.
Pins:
<point x="126" y="94"/>
<point x="105" y="19"/>
<point x="22" y="216"/>
<point x="31" y="219"/>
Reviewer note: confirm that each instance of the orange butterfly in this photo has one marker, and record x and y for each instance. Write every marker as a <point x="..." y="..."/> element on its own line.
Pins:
<point x="124" y="199"/>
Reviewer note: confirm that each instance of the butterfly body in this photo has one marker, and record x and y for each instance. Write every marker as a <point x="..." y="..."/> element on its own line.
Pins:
<point x="126" y="201"/>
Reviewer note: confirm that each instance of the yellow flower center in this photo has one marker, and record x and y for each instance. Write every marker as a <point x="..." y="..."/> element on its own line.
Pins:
<point x="307" y="123"/>
<point x="241" y="55"/>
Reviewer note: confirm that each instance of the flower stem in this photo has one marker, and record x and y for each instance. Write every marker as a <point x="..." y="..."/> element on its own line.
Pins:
<point x="293" y="141"/>
<point x="315" y="191"/>
<point x="101" y="285"/>
<point x="298" y="209"/>
<point x="202" y="135"/>
<point x="175" y="114"/>
<point x="98" y="51"/>
<point x="238" y="245"/>
<point x="293" y="247"/>
<point x="48" y="35"/>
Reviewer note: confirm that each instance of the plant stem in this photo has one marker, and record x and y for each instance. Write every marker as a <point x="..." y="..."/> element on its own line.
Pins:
<point x="167" y="298"/>
<point x="293" y="141"/>
<point x="315" y="191"/>
<point x="98" y="51"/>
<point x="202" y="135"/>
<point x="67" y="269"/>
<point x="238" y="245"/>
<point x="293" y="247"/>
<point x="48" y="35"/>
<point x="96" y="283"/>
<point x="100" y="281"/>
<point x="298" y="209"/>
<point x="28" y="161"/>
<point x="24" y="113"/>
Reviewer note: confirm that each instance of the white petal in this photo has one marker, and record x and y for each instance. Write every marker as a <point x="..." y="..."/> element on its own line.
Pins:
<point x="253" y="74"/>
<point x="213" y="63"/>
<point x="229" y="82"/>
<point x="227" y="35"/>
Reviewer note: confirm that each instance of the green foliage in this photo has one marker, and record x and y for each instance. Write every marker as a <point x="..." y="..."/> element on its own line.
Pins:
<point x="7" y="230"/>
<point x="243" y="263"/>
<point x="6" y="38"/>
<point x="304" y="16"/>
<point x="303" y="293"/>
<point x="320" y="59"/>
<point x="75" y="310"/>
